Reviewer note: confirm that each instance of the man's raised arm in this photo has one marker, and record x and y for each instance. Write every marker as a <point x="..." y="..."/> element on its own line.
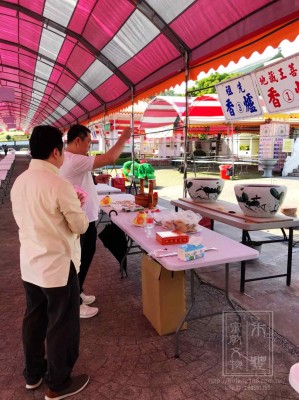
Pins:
<point x="112" y="155"/>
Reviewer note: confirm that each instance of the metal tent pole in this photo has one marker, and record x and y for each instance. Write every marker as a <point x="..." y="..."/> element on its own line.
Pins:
<point x="132" y="127"/>
<point x="133" y="183"/>
<point x="105" y="146"/>
<point x="186" y="122"/>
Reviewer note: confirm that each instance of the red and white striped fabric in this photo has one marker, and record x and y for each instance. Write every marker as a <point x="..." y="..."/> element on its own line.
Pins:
<point x="82" y="59"/>
<point x="116" y="122"/>
<point x="122" y="121"/>
<point x="163" y="111"/>
<point x="205" y="110"/>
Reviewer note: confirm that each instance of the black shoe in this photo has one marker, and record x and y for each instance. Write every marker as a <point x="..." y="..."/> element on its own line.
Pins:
<point x="77" y="384"/>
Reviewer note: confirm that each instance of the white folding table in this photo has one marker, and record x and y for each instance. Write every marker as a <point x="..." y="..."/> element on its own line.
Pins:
<point x="4" y="167"/>
<point x="103" y="188"/>
<point x="228" y="251"/>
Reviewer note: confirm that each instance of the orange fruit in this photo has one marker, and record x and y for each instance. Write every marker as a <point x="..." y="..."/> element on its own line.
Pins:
<point x="106" y="200"/>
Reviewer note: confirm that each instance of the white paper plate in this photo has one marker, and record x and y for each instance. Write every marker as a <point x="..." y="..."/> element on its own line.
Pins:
<point x="105" y="205"/>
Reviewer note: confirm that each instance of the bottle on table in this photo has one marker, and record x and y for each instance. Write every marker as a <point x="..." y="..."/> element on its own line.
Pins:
<point x="149" y="227"/>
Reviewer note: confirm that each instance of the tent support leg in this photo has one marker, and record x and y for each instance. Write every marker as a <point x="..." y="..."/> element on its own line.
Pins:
<point x="186" y="122"/>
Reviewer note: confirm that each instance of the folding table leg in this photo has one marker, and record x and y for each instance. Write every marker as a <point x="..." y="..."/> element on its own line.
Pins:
<point x="192" y="301"/>
<point x="290" y="255"/>
<point x="242" y="279"/>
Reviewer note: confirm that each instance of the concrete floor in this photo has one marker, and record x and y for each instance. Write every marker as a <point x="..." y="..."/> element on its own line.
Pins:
<point x="125" y="356"/>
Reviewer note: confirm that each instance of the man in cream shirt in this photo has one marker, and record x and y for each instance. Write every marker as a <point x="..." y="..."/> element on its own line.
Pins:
<point x="48" y="213"/>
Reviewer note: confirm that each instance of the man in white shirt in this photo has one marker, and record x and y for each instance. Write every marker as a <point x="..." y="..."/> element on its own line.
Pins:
<point x="77" y="168"/>
<point x="50" y="219"/>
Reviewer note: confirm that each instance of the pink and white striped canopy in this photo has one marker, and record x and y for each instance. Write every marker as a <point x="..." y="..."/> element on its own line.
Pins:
<point x="205" y="110"/>
<point x="163" y="111"/>
<point x="73" y="60"/>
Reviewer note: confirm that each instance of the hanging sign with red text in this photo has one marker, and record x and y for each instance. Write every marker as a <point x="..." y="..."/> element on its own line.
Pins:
<point x="279" y="84"/>
<point x="239" y="98"/>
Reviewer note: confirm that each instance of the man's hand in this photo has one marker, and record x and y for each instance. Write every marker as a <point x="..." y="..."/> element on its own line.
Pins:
<point x="81" y="197"/>
<point x="102" y="178"/>
<point x="112" y="154"/>
<point x="127" y="132"/>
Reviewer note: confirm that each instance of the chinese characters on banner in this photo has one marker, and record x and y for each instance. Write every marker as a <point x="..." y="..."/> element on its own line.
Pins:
<point x="239" y="98"/>
<point x="248" y="344"/>
<point x="271" y="141"/>
<point x="279" y="85"/>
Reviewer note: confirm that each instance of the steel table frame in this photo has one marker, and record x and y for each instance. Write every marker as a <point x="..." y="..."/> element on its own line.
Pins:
<point x="246" y="226"/>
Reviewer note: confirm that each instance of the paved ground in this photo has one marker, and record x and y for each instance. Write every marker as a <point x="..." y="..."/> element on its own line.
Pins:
<point x="271" y="294"/>
<point x="170" y="186"/>
<point x="124" y="355"/>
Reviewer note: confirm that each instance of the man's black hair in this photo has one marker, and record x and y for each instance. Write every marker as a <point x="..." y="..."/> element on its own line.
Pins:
<point x="43" y="140"/>
<point x="75" y="131"/>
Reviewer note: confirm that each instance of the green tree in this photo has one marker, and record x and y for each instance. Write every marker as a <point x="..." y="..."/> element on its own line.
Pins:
<point x="8" y="138"/>
<point x="168" y="92"/>
<point x="207" y="85"/>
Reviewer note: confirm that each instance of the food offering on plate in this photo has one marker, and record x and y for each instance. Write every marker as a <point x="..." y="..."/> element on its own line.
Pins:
<point x="140" y="219"/>
<point x="106" y="201"/>
<point x="183" y="221"/>
<point x="181" y="226"/>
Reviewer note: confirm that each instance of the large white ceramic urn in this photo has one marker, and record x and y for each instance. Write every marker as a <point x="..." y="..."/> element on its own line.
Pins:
<point x="260" y="200"/>
<point x="205" y="190"/>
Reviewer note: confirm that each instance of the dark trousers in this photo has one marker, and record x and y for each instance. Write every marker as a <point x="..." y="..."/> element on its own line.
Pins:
<point x="88" y="248"/>
<point x="51" y="315"/>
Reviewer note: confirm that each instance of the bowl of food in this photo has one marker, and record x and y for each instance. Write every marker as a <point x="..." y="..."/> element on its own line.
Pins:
<point x="205" y="190"/>
<point x="260" y="200"/>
